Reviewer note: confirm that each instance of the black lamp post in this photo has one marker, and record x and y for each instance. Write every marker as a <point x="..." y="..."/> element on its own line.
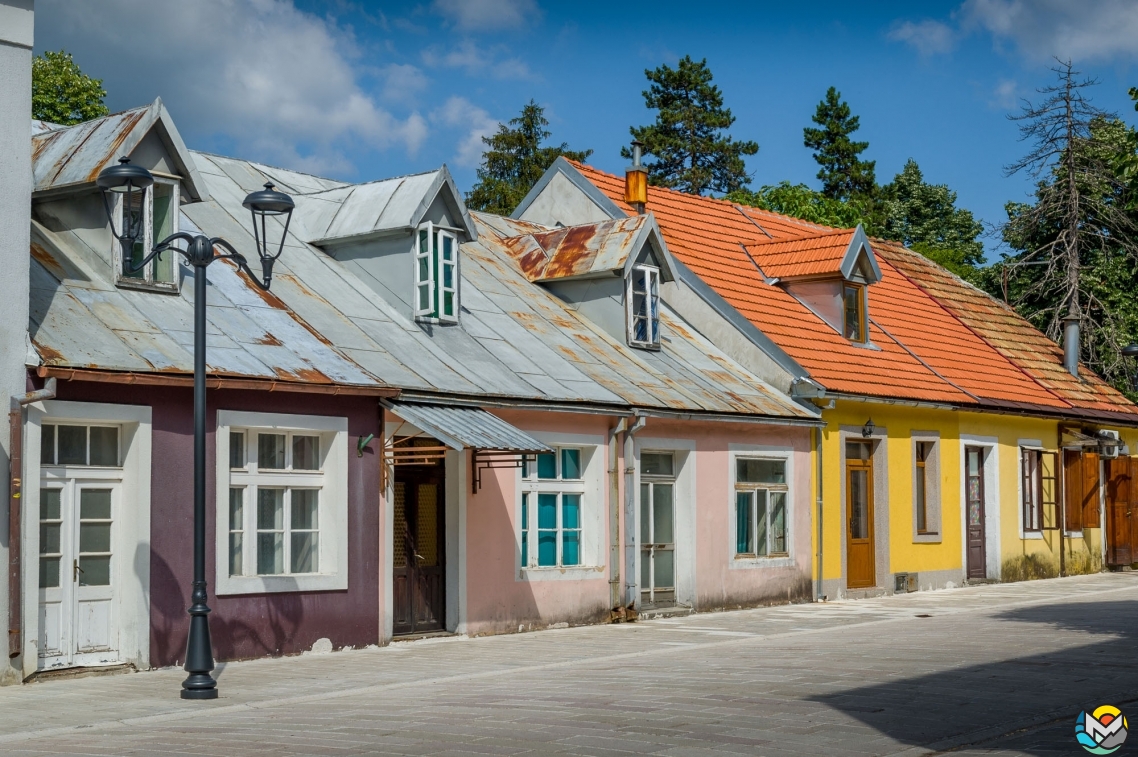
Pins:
<point x="1131" y="351"/>
<point x="131" y="182"/>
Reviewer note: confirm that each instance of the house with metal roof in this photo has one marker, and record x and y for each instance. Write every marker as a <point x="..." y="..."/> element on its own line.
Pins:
<point x="408" y="433"/>
<point x="960" y="444"/>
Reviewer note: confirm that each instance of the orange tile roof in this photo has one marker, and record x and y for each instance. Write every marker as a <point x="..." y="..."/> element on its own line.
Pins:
<point x="933" y="337"/>
<point x="815" y="255"/>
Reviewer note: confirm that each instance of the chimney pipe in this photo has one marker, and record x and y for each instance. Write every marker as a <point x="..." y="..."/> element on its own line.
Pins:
<point x="636" y="180"/>
<point x="1071" y="344"/>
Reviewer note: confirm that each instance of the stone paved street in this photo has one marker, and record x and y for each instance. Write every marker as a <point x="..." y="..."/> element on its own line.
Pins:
<point x="1000" y="669"/>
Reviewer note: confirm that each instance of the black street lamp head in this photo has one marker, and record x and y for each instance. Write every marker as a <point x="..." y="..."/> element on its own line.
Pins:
<point x="1130" y="350"/>
<point x="131" y="182"/>
<point x="262" y="204"/>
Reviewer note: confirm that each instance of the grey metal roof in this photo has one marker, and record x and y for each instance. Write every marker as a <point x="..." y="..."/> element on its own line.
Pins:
<point x="462" y="427"/>
<point x="323" y="324"/>
<point x="74" y="155"/>
<point x="357" y="211"/>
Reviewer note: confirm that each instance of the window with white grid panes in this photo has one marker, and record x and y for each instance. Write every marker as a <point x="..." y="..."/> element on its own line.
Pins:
<point x="642" y="301"/>
<point x="553" y="491"/>
<point x="156" y="210"/>
<point x="436" y="273"/>
<point x="275" y="486"/>
<point x="761" y="505"/>
<point x="85" y="445"/>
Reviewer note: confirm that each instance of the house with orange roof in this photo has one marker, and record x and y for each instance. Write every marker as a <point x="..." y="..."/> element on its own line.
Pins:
<point x="960" y="444"/>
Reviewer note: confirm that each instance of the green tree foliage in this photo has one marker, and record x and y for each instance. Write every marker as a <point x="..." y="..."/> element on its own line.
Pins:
<point x="1076" y="243"/>
<point x="688" y="141"/>
<point x="800" y="201"/>
<point x="843" y="174"/>
<point x="514" y="160"/>
<point x="63" y="94"/>
<point x="925" y="218"/>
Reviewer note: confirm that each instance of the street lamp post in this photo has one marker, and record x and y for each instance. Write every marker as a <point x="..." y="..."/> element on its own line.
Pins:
<point x="131" y="182"/>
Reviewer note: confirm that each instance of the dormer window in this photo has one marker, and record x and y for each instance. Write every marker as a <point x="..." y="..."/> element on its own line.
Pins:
<point x="853" y="313"/>
<point x="436" y="273"/>
<point x="158" y="207"/>
<point x="643" y="307"/>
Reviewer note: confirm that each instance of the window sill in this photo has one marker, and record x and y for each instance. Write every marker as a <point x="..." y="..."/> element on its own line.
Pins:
<point x="575" y="573"/>
<point x="1037" y="535"/>
<point x="232" y="585"/>
<point x="769" y="561"/>
<point x="147" y="286"/>
<point x="927" y="537"/>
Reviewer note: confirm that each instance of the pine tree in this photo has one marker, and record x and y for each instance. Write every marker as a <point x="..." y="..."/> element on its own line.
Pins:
<point x="690" y="149"/>
<point x="62" y="93"/>
<point x="843" y="173"/>
<point x="514" y="160"/>
<point x="925" y="217"/>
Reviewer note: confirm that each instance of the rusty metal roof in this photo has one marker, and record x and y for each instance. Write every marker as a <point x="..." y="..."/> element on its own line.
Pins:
<point x="73" y="156"/>
<point x="322" y="324"/>
<point x="588" y="250"/>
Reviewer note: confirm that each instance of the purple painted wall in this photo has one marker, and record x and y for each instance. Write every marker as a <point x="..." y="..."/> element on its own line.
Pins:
<point x="249" y="625"/>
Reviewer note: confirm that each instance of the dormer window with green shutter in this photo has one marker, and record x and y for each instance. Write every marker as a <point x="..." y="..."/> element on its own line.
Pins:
<point x="158" y="208"/>
<point x="436" y="274"/>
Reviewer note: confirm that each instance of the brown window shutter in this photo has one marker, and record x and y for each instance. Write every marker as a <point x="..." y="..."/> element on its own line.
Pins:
<point x="1073" y="490"/>
<point x="1091" y="515"/>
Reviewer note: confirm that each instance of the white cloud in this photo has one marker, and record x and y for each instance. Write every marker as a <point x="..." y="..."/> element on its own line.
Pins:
<point x="460" y="112"/>
<point x="927" y="37"/>
<point x="476" y="61"/>
<point x="1005" y="95"/>
<point x="279" y="84"/>
<point x="487" y="14"/>
<point x="403" y="82"/>
<point x="1041" y="29"/>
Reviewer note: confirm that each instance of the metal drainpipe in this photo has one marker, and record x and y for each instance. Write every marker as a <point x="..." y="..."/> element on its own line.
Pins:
<point x="15" y="514"/>
<point x="630" y="513"/>
<point x="614" y="517"/>
<point x="818" y="454"/>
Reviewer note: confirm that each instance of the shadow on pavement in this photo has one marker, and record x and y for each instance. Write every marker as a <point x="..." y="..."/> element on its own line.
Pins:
<point x="995" y="700"/>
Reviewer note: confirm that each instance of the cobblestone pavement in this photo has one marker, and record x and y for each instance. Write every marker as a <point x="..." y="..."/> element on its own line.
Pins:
<point x="999" y="669"/>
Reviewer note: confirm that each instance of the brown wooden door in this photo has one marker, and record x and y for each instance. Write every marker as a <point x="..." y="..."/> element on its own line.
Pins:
<point x="1120" y="548"/>
<point x="974" y="515"/>
<point x="419" y="574"/>
<point x="860" y="567"/>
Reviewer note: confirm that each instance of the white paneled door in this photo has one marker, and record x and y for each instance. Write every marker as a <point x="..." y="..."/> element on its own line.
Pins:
<point x="77" y="571"/>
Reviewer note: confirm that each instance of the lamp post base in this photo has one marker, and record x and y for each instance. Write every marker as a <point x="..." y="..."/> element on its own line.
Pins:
<point x="199" y="693"/>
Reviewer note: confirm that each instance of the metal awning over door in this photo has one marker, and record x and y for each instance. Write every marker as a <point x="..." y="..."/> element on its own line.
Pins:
<point x="493" y="442"/>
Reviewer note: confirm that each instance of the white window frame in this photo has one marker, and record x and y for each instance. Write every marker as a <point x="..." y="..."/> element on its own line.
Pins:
<point x="933" y="488"/>
<point x="332" y="518"/>
<point x="533" y="487"/>
<point x="147" y="239"/>
<point x="435" y="274"/>
<point x="593" y="514"/>
<point x="650" y="277"/>
<point x="760" y="452"/>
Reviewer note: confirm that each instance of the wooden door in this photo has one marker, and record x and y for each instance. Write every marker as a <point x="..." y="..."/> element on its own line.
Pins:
<point x="860" y="565"/>
<point x="974" y="503"/>
<point x="419" y="574"/>
<point x="1120" y="515"/>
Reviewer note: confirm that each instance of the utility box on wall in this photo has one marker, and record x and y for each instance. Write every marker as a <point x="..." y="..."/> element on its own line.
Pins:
<point x="905" y="582"/>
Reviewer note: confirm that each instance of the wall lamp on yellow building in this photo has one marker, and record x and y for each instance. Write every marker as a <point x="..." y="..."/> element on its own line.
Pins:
<point x="1131" y="351"/>
<point x="868" y="429"/>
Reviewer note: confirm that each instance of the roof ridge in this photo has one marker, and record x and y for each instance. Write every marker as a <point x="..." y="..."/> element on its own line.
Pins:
<point x="719" y="200"/>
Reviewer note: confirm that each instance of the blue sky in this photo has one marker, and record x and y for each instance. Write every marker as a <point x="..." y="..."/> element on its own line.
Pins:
<point x="366" y="90"/>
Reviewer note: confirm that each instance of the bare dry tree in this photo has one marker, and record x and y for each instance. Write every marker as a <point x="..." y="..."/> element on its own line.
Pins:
<point x="1075" y="214"/>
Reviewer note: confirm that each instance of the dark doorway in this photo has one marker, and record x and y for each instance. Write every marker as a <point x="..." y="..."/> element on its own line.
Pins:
<point x="419" y="543"/>
<point x="1121" y="512"/>
<point x="974" y="489"/>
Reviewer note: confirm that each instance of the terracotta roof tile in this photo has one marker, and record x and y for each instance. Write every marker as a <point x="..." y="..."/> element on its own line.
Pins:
<point x="932" y="336"/>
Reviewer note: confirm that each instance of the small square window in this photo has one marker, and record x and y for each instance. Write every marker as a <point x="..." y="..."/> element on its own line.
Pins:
<point x="271" y="451"/>
<point x="752" y="470"/>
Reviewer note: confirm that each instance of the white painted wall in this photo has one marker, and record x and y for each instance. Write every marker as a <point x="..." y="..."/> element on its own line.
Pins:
<point x="16" y="25"/>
